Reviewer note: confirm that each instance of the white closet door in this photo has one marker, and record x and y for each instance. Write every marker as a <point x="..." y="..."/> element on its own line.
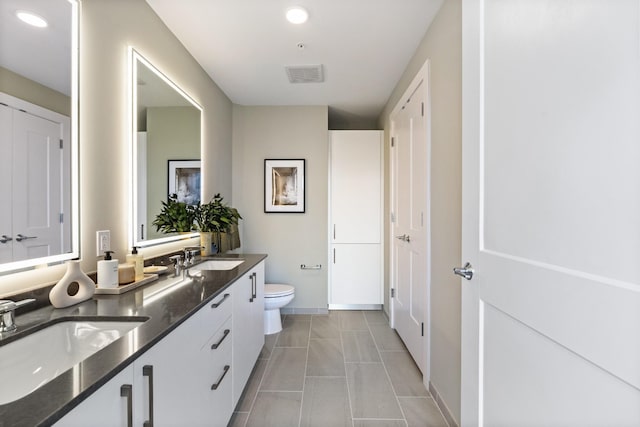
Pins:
<point x="356" y="274"/>
<point x="37" y="196"/>
<point x="6" y="119"/>
<point x="356" y="184"/>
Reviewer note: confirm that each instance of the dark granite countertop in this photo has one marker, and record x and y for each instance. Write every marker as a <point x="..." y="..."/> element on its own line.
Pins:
<point x="165" y="311"/>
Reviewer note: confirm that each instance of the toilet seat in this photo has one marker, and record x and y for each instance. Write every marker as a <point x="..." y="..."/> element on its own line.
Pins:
<point x="277" y="290"/>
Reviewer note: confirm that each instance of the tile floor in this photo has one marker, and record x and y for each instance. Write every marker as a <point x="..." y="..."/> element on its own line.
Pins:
<point x="347" y="368"/>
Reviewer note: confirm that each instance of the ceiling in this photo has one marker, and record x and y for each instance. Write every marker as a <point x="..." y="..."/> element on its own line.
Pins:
<point x="244" y="45"/>
<point x="39" y="54"/>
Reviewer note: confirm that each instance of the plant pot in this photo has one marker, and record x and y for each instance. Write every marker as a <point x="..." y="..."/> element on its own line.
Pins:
<point x="207" y="243"/>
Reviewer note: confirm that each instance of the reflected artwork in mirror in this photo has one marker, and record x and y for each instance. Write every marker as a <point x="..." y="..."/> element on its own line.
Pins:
<point x="39" y="220"/>
<point x="166" y="127"/>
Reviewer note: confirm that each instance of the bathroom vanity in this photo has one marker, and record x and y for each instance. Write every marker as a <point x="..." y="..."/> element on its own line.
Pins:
<point x="187" y="363"/>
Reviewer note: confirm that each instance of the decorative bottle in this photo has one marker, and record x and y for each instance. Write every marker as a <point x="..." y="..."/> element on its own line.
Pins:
<point x="74" y="287"/>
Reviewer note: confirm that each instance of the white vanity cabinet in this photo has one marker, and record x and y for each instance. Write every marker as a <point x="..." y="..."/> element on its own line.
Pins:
<point x="155" y="389"/>
<point x="192" y="377"/>
<point x="107" y="407"/>
<point x="248" y="325"/>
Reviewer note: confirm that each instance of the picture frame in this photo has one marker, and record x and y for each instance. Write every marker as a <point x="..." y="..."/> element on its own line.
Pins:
<point x="284" y="185"/>
<point x="184" y="180"/>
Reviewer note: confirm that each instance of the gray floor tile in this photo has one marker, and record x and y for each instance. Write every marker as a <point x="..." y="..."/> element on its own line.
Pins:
<point x="250" y="390"/>
<point x="375" y="317"/>
<point x="405" y="376"/>
<point x="325" y="403"/>
<point x="323" y="326"/>
<point x="352" y="321"/>
<point x="421" y="412"/>
<point x="371" y="392"/>
<point x="285" y="370"/>
<point x="276" y="409"/>
<point x="269" y="343"/>
<point x="325" y="358"/>
<point x="292" y="318"/>
<point x="386" y="338"/>
<point x="359" y="347"/>
<point x="239" y="419"/>
<point x="379" y="423"/>
<point x="295" y="332"/>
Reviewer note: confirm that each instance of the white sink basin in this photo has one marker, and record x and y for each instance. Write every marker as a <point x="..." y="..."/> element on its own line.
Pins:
<point x="30" y="362"/>
<point x="218" y="264"/>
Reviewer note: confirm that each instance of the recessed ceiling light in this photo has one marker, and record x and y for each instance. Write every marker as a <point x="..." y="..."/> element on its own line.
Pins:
<point x="297" y="15"/>
<point x="31" y="18"/>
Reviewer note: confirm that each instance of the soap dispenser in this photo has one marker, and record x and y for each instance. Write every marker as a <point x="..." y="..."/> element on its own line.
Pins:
<point x="108" y="271"/>
<point x="138" y="263"/>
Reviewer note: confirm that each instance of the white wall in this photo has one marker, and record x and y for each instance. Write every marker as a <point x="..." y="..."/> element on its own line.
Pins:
<point x="442" y="44"/>
<point x="290" y="239"/>
<point x="107" y="28"/>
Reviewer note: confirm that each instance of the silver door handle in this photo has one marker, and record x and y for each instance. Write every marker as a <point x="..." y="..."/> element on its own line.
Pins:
<point x="5" y="239"/>
<point x="22" y="237"/>
<point x="404" y="238"/>
<point x="466" y="271"/>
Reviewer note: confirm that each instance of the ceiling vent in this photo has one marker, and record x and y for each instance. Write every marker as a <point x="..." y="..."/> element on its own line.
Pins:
<point x="305" y="73"/>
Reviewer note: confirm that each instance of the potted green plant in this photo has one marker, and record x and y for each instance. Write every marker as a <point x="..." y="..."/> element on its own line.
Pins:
<point x="215" y="221"/>
<point x="175" y="216"/>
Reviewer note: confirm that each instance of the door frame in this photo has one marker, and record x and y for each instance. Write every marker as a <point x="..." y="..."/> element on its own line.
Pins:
<point x="422" y="76"/>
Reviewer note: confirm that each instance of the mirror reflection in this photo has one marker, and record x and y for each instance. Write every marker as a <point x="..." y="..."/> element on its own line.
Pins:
<point x="38" y="137"/>
<point x="166" y="148"/>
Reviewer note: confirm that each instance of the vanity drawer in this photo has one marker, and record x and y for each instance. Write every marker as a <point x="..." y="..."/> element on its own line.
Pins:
<point x="211" y="316"/>
<point x="216" y="381"/>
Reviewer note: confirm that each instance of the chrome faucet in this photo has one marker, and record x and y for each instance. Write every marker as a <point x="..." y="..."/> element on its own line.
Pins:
<point x="190" y="254"/>
<point x="7" y="313"/>
<point x="182" y="262"/>
<point x="178" y="264"/>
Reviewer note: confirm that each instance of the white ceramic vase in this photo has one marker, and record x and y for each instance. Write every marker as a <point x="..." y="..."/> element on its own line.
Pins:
<point x="64" y="293"/>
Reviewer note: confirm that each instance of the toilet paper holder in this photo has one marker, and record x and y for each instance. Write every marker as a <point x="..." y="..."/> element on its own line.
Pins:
<point x="310" y="267"/>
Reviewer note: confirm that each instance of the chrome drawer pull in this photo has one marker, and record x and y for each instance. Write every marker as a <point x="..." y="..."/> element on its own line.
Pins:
<point x="217" y="304"/>
<point x="125" y="391"/>
<point x="147" y="371"/>
<point x="216" y="345"/>
<point x="216" y="385"/>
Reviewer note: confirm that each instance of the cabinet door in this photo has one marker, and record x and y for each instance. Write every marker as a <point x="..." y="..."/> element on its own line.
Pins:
<point x="356" y="186"/>
<point x="164" y="379"/>
<point x="356" y="274"/>
<point x="104" y="408"/>
<point x="248" y="325"/>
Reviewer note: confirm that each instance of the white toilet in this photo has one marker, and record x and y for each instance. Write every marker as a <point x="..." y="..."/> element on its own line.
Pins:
<point x="275" y="297"/>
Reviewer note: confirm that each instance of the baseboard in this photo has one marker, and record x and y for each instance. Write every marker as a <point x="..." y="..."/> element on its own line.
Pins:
<point x="446" y="413"/>
<point x="302" y="310"/>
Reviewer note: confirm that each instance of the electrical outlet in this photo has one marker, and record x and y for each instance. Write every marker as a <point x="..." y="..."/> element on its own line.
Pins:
<point x="103" y="242"/>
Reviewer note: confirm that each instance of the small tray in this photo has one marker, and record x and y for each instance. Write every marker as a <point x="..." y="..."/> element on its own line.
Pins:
<point x="148" y="278"/>
<point x="156" y="269"/>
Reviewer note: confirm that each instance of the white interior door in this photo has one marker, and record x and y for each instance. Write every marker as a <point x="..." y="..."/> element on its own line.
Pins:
<point x="6" y="130"/>
<point x="37" y="187"/>
<point x="551" y="201"/>
<point x="410" y="257"/>
<point x="141" y="187"/>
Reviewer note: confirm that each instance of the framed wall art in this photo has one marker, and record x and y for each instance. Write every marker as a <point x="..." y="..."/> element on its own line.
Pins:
<point x="184" y="180"/>
<point x="284" y="185"/>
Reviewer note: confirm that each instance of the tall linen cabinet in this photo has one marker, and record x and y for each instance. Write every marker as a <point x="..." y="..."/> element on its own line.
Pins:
<point x="355" y="210"/>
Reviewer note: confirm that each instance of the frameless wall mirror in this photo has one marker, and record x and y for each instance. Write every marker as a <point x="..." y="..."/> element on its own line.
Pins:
<point x="39" y="220"/>
<point x="165" y="146"/>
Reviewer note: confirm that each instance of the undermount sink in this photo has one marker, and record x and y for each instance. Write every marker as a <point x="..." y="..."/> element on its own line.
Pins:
<point x="30" y="362"/>
<point x="218" y="264"/>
